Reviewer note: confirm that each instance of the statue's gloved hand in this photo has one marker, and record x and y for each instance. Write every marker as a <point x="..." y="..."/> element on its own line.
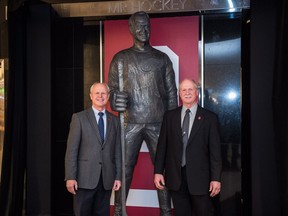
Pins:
<point x="121" y="101"/>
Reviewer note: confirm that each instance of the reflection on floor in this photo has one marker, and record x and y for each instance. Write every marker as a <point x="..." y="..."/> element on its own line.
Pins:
<point x="230" y="197"/>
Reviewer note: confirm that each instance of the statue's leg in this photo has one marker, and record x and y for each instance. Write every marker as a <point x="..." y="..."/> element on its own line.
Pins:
<point x="133" y="142"/>
<point x="118" y="198"/>
<point x="151" y="137"/>
<point x="164" y="199"/>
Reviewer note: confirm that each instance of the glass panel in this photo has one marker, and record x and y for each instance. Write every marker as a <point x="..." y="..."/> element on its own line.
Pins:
<point x="222" y="94"/>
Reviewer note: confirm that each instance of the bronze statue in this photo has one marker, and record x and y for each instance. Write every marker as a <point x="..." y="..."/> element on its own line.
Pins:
<point x="149" y="90"/>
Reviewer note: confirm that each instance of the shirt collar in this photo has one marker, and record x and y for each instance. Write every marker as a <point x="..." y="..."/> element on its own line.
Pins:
<point x="193" y="109"/>
<point x="97" y="111"/>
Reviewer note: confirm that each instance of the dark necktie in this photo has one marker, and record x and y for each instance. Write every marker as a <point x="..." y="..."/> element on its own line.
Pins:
<point x="185" y="133"/>
<point x="101" y="126"/>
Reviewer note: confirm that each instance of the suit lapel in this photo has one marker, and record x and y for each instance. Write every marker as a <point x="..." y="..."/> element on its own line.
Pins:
<point x="108" y="126"/>
<point x="178" y="123"/>
<point x="198" y="121"/>
<point x="93" y="122"/>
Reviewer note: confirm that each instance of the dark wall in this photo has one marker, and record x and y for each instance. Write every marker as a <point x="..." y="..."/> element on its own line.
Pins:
<point x="54" y="92"/>
<point x="265" y="197"/>
<point x="75" y="64"/>
<point x="68" y="97"/>
<point x="38" y="185"/>
<point x="57" y="78"/>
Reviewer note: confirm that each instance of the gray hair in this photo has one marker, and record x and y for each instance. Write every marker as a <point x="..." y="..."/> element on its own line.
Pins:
<point x="96" y="83"/>
<point x="196" y="85"/>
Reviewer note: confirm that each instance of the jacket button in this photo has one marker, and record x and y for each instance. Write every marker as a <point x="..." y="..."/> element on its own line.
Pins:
<point x="100" y="163"/>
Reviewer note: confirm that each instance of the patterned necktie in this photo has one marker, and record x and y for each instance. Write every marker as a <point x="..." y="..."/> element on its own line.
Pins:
<point x="101" y="125"/>
<point x="185" y="133"/>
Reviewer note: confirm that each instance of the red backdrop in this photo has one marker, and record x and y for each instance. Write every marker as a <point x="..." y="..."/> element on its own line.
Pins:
<point x="180" y="34"/>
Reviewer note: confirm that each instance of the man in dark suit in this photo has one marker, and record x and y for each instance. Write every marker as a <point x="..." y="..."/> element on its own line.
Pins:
<point x="189" y="156"/>
<point x="93" y="156"/>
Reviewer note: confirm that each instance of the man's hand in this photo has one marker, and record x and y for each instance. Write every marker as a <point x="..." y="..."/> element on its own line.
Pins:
<point x="215" y="188"/>
<point x="121" y="101"/>
<point x="117" y="185"/>
<point x="159" y="181"/>
<point x="72" y="186"/>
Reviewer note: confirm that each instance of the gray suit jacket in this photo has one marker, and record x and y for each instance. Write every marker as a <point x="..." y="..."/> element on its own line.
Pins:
<point x="86" y="157"/>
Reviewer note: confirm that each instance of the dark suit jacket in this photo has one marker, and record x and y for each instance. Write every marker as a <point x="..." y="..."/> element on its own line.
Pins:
<point x="203" y="153"/>
<point x="86" y="156"/>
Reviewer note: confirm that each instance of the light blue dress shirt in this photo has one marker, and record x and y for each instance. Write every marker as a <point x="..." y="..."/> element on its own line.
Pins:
<point x="104" y="118"/>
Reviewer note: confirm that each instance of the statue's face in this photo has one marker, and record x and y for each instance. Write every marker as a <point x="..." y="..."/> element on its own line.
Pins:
<point x="141" y="29"/>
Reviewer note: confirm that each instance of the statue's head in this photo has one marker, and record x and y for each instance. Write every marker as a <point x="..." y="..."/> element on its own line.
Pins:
<point x="139" y="25"/>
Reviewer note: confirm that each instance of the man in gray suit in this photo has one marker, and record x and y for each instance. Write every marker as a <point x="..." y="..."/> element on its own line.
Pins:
<point x="93" y="156"/>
